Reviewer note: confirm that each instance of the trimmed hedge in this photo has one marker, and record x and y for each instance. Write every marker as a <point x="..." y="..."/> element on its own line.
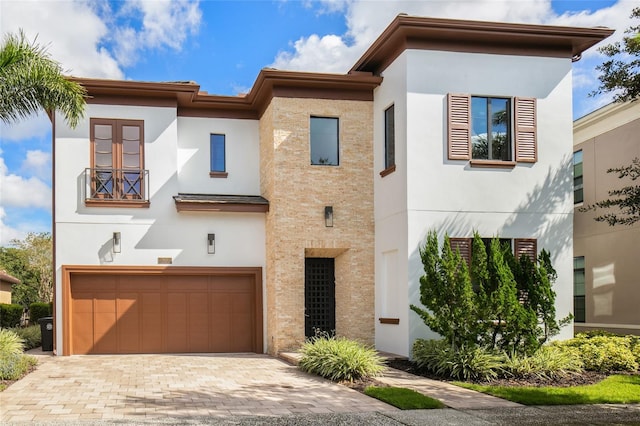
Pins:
<point x="39" y="310"/>
<point x="10" y="315"/>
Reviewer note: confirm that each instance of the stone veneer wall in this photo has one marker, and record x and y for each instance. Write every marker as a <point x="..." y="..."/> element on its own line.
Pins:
<point x="295" y="227"/>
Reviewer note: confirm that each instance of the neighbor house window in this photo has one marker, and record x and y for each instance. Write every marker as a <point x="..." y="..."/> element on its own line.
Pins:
<point x="578" y="190"/>
<point x="579" y="313"/>
<point x="491" y="131"/>
<point x="324" y="141"/>
<point x="117" y="170"/>
<point x="217" y="152"/>
<point x="389" y="138"/>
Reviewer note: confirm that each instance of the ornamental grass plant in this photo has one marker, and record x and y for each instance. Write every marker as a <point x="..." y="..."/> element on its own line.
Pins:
<point x="340" y="359"/>
<point x="13" y="362"/>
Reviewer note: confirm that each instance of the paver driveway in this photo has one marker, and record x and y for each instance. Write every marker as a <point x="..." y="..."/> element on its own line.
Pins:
<point x="108" y="387"/>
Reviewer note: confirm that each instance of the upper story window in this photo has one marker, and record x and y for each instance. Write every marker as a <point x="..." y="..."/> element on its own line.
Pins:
<point x="324" y="141"/>
<point x="578" y="190"/>
<point x="117" y="162"/>
<point x="217" y="152"/>
<point x="389" y="140"/>
<point x="520" y="246"/>
<point x="491" y="131"/>
<point x="490" y="128"/>
<point x="579" y="308"/>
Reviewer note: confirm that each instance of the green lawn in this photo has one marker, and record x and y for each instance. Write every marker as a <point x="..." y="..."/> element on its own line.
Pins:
<point x="617" y="389"/>
<point x="405" y="399"/>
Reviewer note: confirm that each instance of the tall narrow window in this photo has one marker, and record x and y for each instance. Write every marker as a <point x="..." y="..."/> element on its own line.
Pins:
<point x="324" y="141"/>
<point x="490" y="128"/>
<point x="389" y="138"/>
<point x="117" y="171"/>
<point x="579" y="312"/>
<point x="217" y="152"/>
<point x="578" y="190"/>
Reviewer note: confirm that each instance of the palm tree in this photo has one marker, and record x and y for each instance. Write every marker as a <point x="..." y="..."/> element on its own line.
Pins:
<point x="30" y="81"/>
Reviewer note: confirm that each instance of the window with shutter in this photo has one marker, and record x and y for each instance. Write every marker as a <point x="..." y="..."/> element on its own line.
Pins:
<point x="487" y="130"/>
<point x="463" y="245"/>
<point x="526" y="246"/>
<point x="525" y="129"/>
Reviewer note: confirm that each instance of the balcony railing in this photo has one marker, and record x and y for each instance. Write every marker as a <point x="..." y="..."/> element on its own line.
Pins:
<point x="116" y="185"/>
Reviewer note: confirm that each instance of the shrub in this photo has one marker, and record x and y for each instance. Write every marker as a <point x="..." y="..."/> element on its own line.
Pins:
<point x="463" y="363"/>
<point x="604" y="352"/>
<point x="548" y="361"/>
<point x="10" y="343"/>
<point x="338" y="359"/>
<point x="608" y="354"/>
<point x="38" y="310"/>
<point x="14" y="366"/>
<point x="30" y="335"/>
<point x="10" y="315"/>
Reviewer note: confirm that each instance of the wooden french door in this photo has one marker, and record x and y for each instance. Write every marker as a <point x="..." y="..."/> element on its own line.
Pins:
<point x="117" y="159"/>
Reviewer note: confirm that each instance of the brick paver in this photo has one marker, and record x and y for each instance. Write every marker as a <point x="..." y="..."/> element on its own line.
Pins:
<point x="108" y="387"/>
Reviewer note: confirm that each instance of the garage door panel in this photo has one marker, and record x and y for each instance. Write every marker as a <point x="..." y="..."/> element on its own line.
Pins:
<point x="128" y="323"/>
<point x="199" y="322"/>
<point x="221" y="303"/>
<point x="187" y="283"/>
<point x="139" y="313"/>
<point x="151" y="333"/>
<point x="89" y="283"/>
<point x="104" y="333"/>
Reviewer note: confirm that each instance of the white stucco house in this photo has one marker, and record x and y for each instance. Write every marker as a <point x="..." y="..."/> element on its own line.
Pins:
<point x="189" y="222"/>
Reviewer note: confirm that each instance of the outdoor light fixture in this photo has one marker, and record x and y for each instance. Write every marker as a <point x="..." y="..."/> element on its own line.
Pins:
<point x="328" y="216"/>
<point x="116" y="242"/>
<point x="211" y="243"/>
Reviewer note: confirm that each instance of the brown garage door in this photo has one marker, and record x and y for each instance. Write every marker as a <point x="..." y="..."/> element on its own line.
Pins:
<point x="164" y="313"/>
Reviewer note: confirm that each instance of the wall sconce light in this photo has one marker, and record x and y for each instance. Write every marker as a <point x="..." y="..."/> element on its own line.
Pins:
<point x="328" y="216"/>
<point x="211" y="243"/>
<point x="116" y="242"/>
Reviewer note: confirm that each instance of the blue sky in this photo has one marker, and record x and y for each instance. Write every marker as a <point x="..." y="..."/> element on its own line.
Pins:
<point x="222" y="45"/>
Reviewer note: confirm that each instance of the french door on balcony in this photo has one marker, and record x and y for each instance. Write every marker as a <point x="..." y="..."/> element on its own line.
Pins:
<point x="117" y="169"/>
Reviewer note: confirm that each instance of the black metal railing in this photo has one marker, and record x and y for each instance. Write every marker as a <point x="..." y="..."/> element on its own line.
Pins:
<point x="102" y="184"/>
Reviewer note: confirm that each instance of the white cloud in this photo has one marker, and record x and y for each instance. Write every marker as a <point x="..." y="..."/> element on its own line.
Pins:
<point x="8" y="233"/>
<point x="165" y="24"/>
<point x="38" y="126"/>
<point x="18" y="191"/>
<point x="20" y="230"/>
<point x="37" y="163"/>
<point x="90" y="39"/>
<point x="71" y="30"/>
<point x="330" y="51"/>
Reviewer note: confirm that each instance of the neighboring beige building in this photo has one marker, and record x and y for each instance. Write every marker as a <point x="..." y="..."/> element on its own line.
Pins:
<point x="606" y="271"/>
<point x="6" y="281"/>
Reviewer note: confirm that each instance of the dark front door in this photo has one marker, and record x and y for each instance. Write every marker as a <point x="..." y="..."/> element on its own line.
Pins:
<point x="319" y="296"/>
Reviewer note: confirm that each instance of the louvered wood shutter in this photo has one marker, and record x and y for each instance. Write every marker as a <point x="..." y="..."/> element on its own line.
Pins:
<point x="463" y="245"/>
<point x="459" y="127"/>
<point x="526" y="246"/>
<point x="525" y="129"/>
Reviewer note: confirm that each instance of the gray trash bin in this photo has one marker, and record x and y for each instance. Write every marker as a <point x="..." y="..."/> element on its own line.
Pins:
<point x="46" y="329"/>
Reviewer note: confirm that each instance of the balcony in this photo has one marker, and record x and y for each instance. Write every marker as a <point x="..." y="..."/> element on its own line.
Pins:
<point x="116" y="187"/>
